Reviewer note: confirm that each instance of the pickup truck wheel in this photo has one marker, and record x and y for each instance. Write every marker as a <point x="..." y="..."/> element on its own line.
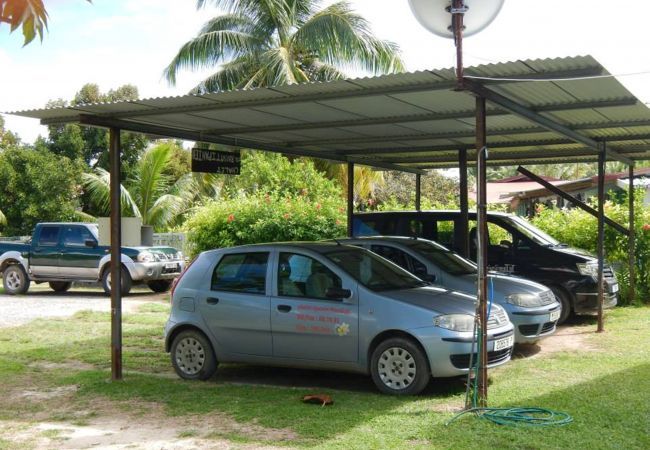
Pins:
<point x="15" y="280"/>
<point x="192" y="356"/>
<point x="160" y="285"/>
<point x="126" y="281"/>
<point x="60" y="286"/>
<point x="399" y="367"/>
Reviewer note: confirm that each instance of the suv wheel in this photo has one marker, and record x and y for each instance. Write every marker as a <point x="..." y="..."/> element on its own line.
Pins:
<point x="60" y="286"/>
<point x="126" y="281"/>
<point x="398" y="366"/>
<point x="15" y="280"/>
<point x="192" y="356"/>
<point x="565" y="301"/>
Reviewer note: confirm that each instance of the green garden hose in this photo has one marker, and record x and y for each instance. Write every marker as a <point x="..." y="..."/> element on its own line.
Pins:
<point x="517" y="416"/>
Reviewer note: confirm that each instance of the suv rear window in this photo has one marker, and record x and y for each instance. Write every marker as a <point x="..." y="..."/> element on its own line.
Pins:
<point x="49" y="236"/>
<point x="241" y="272"/>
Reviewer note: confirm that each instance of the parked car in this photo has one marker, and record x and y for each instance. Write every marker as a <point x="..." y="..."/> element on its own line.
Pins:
<point x="531" y="307"/>
<point x="61" y="253"/>
<point x="331" y="306"/>
<point x="515" y="247"/>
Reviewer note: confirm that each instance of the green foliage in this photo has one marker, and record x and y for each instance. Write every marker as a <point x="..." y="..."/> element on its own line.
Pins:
<point x="398" y="191"/>
<point x="579" y="229"/>
<point x="90" y="144"/>
<point x="282" y="42"/>
<point x="35" y="187"/>
<point x="266" y="173"/>
<point x="265" y="218"/>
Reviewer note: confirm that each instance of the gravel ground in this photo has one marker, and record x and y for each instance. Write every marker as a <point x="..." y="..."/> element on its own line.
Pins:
<point x="40" y="302"/>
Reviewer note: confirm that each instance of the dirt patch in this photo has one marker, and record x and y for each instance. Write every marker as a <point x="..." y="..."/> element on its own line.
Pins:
<point x="134" y="425"/>
<point x="66" y="365"/>
<point x="565" y="339"/>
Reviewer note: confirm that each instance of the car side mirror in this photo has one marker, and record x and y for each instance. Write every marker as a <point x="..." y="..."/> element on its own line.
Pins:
<point x="335" y="293"/>
<point x="90" y="243"/>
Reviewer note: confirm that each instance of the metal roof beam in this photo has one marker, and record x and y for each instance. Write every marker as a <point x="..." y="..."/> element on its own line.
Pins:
<point x="194" y="136"/>
<point x="534" y="117"/>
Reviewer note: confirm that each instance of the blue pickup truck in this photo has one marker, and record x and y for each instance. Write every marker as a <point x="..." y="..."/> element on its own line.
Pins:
<point x="61" y="253"/>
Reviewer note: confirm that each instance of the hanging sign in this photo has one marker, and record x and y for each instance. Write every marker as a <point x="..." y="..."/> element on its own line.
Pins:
<point x="214" y="161"/>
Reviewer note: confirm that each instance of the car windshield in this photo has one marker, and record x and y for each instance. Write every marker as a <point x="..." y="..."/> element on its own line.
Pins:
<point x="444" y="259"/>
<point x="372" y="271"/>
<point x="534" y="234"/>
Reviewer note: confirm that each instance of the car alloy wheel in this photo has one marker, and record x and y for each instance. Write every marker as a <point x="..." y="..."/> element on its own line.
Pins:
<point x="192" y="356"/>
<point x="397" y="368"/>
<point x="15" y="280"/>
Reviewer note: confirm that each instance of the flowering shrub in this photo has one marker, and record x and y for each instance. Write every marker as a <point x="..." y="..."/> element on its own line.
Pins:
<point x="579" y="229"/>
<point x="265" y="218"/>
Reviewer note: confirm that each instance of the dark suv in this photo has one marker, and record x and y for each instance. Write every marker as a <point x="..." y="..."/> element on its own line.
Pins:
<point x="515" y="247"/>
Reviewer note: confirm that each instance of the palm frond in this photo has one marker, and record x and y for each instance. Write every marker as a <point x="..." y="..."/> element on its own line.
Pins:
<point x="210" y="49"/>
<point x="340" y="37"/>
<point x="149" y="182"/>
<point x="3" y="219"/>
<point x="98" y="187"/>
<point x="232" y="75"/>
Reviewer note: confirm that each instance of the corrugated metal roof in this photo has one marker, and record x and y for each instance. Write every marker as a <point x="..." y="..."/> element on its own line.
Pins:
<point x="414" y="120"/>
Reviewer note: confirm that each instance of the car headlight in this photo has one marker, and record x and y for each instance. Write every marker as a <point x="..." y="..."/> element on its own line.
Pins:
<point x="588" y="269"/>
<point x="455" y="322"/>
<point x="145" y="257"/>
<point x="525" y="300"/>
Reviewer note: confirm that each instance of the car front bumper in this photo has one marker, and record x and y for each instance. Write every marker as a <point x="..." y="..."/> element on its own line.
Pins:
<point x="157" y="270"/>
<point x="532" y="324"/>
<point x="449" y="351"/>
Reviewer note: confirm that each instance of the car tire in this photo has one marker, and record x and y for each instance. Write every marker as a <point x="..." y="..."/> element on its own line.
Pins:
<point x="399" y="367"/>
<point x="160" y="285"/>
<point x="15" y="280"/>
<point x="126" y="281"/>
<point x="60" y="286"/>
<point x="192" y="356"/>
<point x="565" y="301"/>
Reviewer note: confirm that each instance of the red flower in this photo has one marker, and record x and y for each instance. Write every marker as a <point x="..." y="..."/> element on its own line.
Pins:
<point x="338" y="222"/>
<point x="286" y="215"/>
<point x="646" y="227"/>
<point x="231" y="217"/>
<point x="318" y="206"/>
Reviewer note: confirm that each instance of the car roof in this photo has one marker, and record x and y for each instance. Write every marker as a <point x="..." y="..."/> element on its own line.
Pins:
<point x="318" y="247"/>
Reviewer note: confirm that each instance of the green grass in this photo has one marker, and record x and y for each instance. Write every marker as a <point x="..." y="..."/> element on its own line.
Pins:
<point x="606" y="388"/>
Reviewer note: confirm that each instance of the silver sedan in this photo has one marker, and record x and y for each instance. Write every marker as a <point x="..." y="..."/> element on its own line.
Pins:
<point x="324" y="306"/>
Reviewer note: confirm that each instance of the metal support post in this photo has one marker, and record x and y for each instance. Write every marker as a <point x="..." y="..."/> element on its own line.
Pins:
<point x="463" y="224"/>
<point x="458" y="10"/>
<point x="601" y="235"/>
<point x="350" y="198"/>
<point x="481" y="252"/>
<point x="116" y="243"/>
<point x="631" y="240"/>
<point x="418" y="191"/>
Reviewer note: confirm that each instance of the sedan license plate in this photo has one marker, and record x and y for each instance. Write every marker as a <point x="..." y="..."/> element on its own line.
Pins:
<point x="507" y="342"/>
<point x="171" y="265"/>
<point x="614" y="288"/>
<point x="555" y="315"/>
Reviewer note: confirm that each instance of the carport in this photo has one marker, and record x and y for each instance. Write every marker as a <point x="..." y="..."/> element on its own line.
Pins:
<point x="551" y="111"/>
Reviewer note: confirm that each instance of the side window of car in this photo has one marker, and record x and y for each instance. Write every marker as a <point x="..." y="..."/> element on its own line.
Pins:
<point x="49" y="236"/>
<point x="303" y="276"/>
<point x="391" y="254"/>
<point x="444" y="232"/>
<point x="75" y="236"/>
<point x="241" y="272"/>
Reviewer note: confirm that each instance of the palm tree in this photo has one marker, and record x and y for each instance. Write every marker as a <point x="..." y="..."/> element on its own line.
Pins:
<point x="148" y="193"/>
<point x="272" y="42"/>
<point x="3" y="219"/>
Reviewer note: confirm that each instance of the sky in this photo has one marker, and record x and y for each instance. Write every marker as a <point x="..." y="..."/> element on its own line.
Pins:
<point x="114" y="42"/>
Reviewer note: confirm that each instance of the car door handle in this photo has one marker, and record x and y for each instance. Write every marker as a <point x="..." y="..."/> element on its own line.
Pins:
<point x="284" y="308"/>
<point x="212" y="300"/>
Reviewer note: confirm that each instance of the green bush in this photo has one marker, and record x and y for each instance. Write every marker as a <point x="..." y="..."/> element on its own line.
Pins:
<point x="579" y="229"/>
<point x="265" y="218"/>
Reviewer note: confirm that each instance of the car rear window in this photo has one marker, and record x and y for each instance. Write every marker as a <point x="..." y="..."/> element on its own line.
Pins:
<point x="241" y="272"/>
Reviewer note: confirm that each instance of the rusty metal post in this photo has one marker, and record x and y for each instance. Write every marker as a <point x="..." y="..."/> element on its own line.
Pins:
<point x="463" y="223"/>
<point x="601" y="235"/>
<point x="457" y="11"/>
<point x="481" y="252"/>
<point x="418" y="191"/>
<point x="350" y="198"/>
<point x="631" y="240"/>
<point x="116" y="243"/>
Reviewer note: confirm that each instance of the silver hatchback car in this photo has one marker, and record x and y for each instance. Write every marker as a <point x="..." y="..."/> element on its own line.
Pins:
<point x="325" y="306"/>
<point x="532" y="307"/>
